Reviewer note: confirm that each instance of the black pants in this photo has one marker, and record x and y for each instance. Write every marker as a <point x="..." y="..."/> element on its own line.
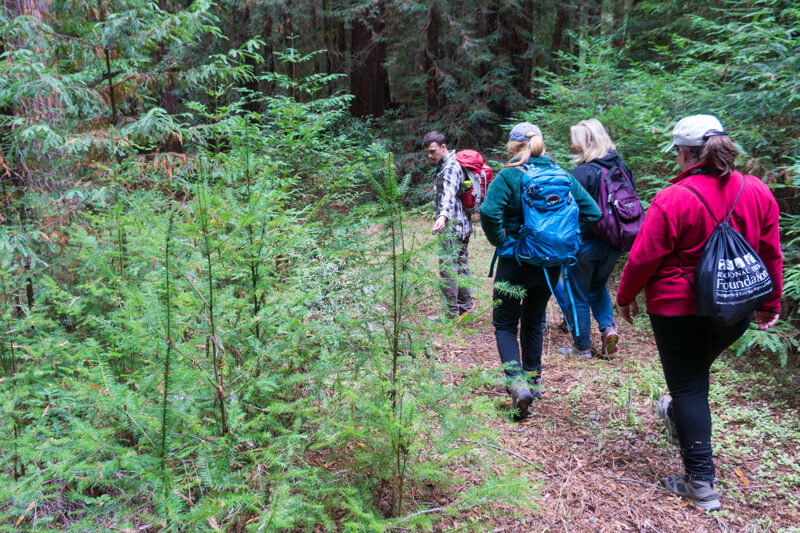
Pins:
<point x="688" y="345"/>
<point x="454" y="262"/>
<point x="523" y="314"/>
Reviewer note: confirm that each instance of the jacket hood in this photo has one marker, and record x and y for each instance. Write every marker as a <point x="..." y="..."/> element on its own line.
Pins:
<point x="609" y="160"/>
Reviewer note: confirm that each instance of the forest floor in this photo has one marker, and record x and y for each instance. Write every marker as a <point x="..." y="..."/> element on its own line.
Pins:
<point x="595" y="450"/>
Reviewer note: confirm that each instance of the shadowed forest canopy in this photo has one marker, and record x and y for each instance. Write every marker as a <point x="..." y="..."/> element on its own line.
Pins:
<point x="213" y="289"/>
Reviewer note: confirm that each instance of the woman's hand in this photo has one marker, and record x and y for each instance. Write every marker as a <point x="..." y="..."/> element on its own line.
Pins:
<point x="766" y="319"/>
<point x="629" y="311"/>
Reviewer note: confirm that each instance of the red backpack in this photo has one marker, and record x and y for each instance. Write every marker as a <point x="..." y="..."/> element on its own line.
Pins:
<point x="476" y="172"/>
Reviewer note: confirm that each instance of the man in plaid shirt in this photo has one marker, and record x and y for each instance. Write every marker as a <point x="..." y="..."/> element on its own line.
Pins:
<point x="453" y="258"/>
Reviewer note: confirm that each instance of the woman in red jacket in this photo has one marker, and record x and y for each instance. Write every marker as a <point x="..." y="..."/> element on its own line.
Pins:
<point x="674" y="233"/>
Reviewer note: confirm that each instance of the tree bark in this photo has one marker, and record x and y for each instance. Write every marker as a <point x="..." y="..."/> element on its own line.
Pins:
<point x="432" y="53"/>
<point x="335" y="43"/>
<point x="369" y="81"/>
<point x="269" y="60"/>
<point x="516" y="39"/>
<point x="606" y="19"/>
<point x="559" y="28"/>
<point x="43" y="107"/>
<point x="37" y="9"/>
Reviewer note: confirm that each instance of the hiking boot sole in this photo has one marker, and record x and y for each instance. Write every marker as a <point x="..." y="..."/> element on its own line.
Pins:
<point x="610" y="345"/>
<point x="678" y="486"/>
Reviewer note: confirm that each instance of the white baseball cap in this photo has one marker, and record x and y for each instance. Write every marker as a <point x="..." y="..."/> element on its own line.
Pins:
<point x="694" y="130"/>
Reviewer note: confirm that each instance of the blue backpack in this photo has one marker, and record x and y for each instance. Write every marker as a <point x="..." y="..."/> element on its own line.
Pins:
<point x="550" y="232"/>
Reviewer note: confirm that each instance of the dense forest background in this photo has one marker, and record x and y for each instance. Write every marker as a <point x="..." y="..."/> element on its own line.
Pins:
<point x="210" y="286"/>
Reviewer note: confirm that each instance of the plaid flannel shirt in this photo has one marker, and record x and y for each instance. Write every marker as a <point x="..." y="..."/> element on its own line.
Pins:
<point x="449" y="181"/>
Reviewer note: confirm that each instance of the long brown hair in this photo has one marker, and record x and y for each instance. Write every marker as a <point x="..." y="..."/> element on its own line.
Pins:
<point x="718" y="155"/>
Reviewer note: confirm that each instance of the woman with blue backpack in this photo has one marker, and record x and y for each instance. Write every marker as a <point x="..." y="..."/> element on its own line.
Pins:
<point x="594" y="153"/>
<point x="503" y="220"/>
<point x="700" y="297"/>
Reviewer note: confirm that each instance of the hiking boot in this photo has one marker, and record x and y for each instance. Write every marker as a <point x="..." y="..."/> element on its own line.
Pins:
<point x="536" y="389"/>
<point x="521" y="400"/>
<point x="664" y="412"/>
<point x="610" y="340"/>
<point x="583" y="354"/>
<point x="701" y="493"/>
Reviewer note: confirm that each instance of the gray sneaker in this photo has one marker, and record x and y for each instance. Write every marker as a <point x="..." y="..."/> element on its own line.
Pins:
<point x="521" y="400"/>
<point x="583" y="354"/>
<point x="701" y="493"/>
<point x="664" y="412"/>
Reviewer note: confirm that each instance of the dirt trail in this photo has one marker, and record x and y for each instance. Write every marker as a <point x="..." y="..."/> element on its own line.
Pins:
<point x="594" y="444"/>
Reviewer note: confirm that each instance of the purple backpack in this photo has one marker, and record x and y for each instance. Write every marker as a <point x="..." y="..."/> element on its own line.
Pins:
<point x="622" y="212"/>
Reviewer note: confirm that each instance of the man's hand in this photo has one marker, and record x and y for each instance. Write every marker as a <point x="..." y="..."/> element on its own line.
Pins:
<point x="766" y="319"/>
<point x="629" y="311"/>
<point x="439" y="224"/>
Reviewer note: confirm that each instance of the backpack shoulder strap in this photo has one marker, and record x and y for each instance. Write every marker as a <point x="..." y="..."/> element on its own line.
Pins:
<point x="727" y="218"/>
<point x="735" y="201"/>
<point x="702" y="201"/>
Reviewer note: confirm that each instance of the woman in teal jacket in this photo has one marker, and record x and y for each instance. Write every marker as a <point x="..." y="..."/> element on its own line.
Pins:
<point x="501" y="217"/>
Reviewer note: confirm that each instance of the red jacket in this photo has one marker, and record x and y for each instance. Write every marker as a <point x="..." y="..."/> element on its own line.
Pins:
<point x="678" y="221"/>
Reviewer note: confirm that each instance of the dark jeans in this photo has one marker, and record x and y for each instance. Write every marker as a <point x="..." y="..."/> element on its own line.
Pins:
<point x="688" y="345"/>
<point x="587" y="279"/>
<point x="453" y="263"/>
<point x="520" y="314"/>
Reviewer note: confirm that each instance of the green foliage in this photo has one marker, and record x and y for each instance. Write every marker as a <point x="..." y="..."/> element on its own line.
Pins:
<point x="234" y="345"/>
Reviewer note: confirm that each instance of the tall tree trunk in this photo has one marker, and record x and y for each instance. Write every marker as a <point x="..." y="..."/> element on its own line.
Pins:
<point x="514" y="27"/>
<point x="559" y="29"/>
<point x="335" y="43"/>
<point x="627" y="8"/>
<point x="432" y="100"/>
<point x="607" y="19"/>
<point x="369" y="81"/>
<point x="168" y="100"/>
<point x="583" y="24"/>
<point x="37" y="9"/>
<point x="43" y="107"/>
<point x="252" y="84"/>
<point x="269" y="60"/>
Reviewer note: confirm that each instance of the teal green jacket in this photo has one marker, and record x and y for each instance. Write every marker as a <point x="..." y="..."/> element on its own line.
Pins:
<point x="501" y="210"/>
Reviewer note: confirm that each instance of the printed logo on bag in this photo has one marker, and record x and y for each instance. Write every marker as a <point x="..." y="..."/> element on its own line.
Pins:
<point x="740" y="277"/>
<point x="730" y="279"/>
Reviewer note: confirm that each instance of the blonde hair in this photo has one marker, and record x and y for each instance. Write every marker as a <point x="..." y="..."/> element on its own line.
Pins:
<point x="522" y="151"/>
<point x="590" y="141"/>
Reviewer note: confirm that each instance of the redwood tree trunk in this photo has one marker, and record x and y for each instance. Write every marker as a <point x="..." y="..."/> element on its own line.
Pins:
<point x="37" y="9"/>
<point x="514" y="26"/>
<point x="45" y="107"/>
<point x="432" y="100"/>
<point x="369" y="81"/>
<point x="562" y="22"/>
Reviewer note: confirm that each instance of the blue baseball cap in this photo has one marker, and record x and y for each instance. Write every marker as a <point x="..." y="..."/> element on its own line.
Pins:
<point x="521" y="130"/>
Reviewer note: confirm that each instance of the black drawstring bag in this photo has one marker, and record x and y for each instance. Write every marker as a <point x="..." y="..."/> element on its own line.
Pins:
<point x="730" y="280"/>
